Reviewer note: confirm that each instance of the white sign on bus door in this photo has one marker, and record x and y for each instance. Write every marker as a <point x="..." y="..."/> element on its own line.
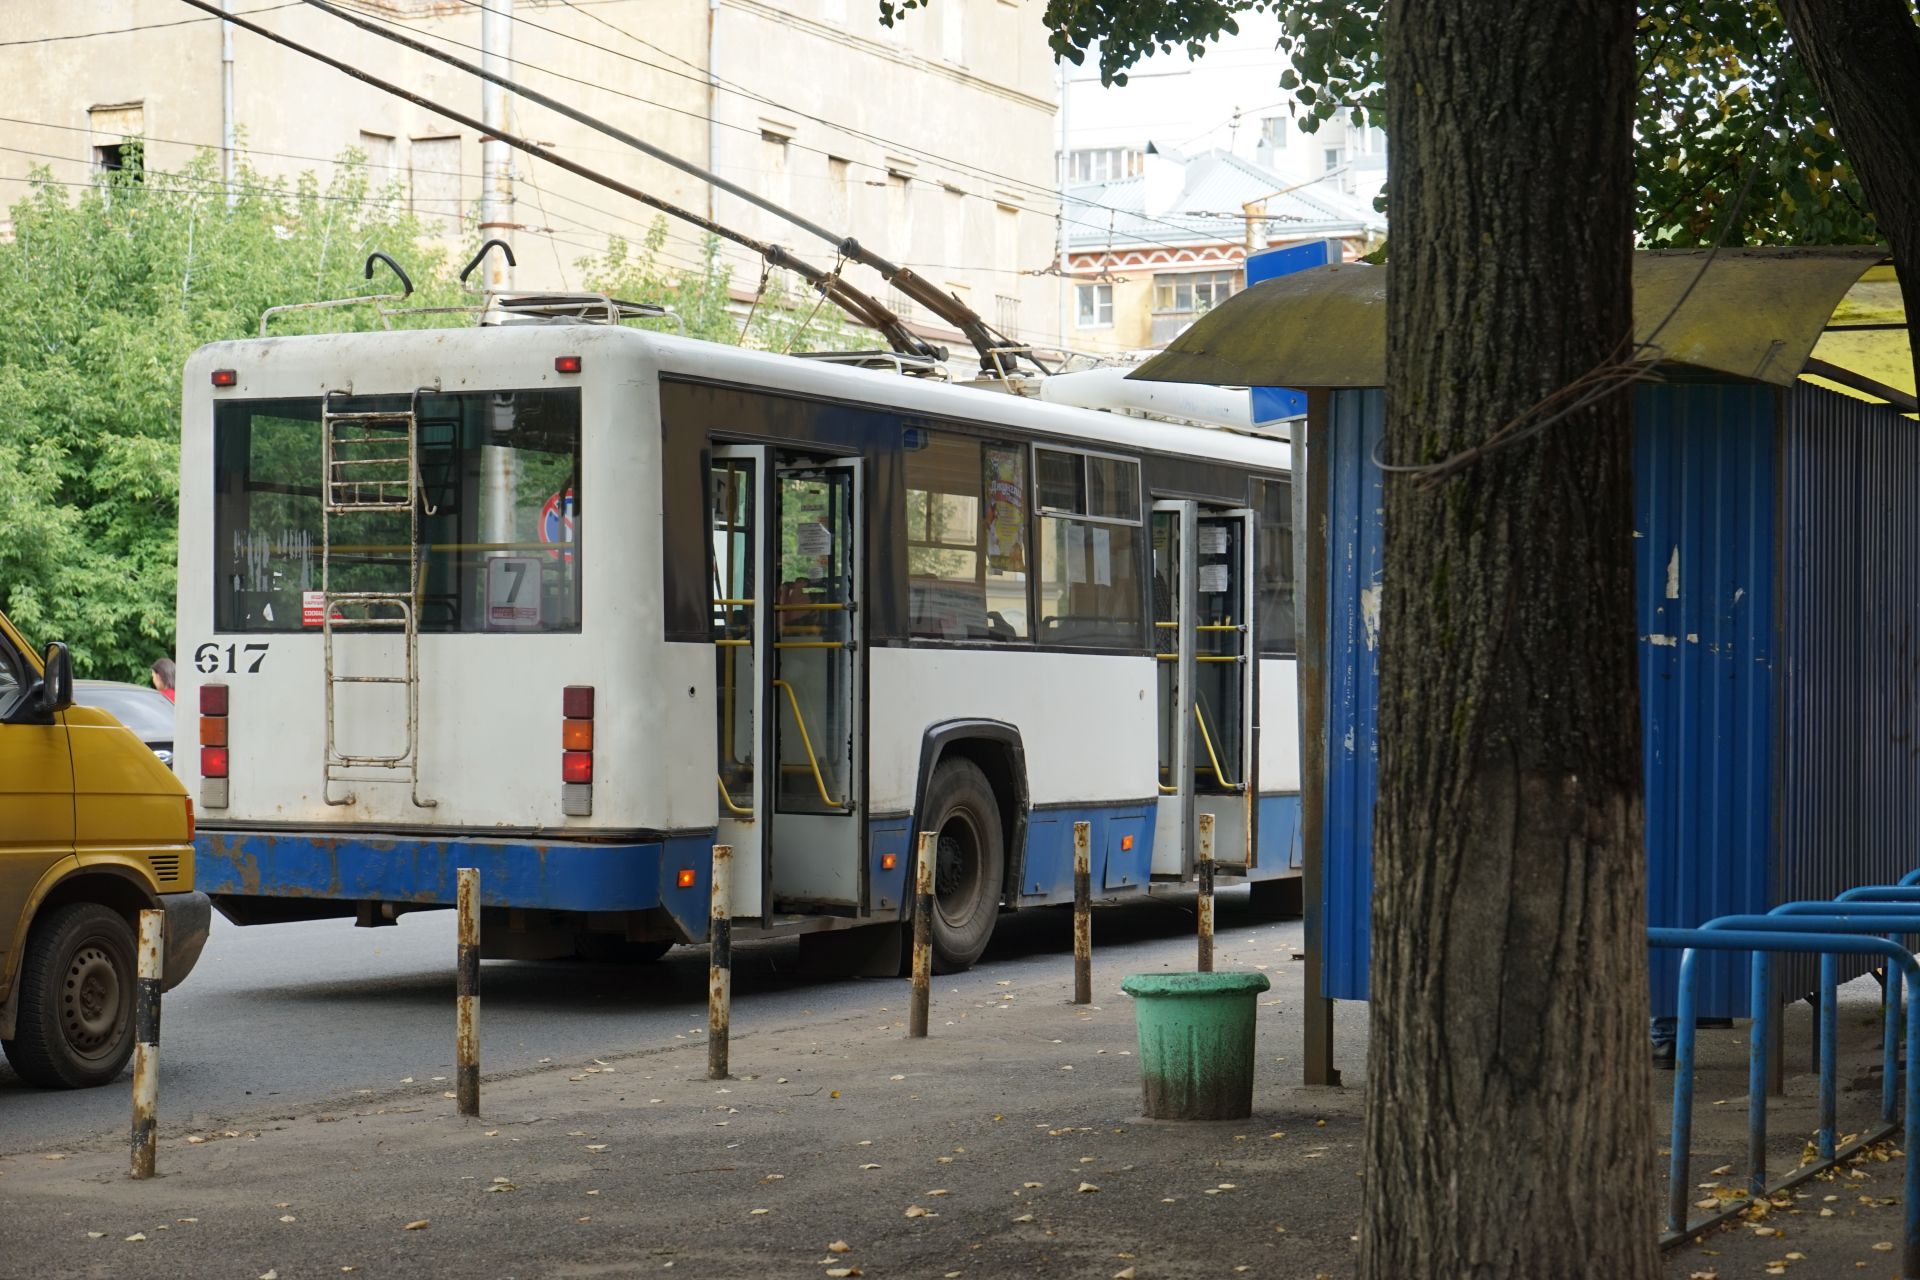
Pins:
<point x="513" y="593"/>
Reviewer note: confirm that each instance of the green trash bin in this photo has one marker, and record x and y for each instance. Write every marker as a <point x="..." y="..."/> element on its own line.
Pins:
<point x="1196" y="1042"/>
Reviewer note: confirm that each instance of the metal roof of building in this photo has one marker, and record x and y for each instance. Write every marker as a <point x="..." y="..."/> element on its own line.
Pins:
<point x="1770" y="315"/>
<point x="1209" y="208"/>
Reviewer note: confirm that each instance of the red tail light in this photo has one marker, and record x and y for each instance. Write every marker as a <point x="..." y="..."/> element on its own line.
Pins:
<point x="228" y="378"/>
<point x="213" y="699"/>
<point x="213" y="762"/>
<point x="576" y="702"/>
<point x="576" y="766"/>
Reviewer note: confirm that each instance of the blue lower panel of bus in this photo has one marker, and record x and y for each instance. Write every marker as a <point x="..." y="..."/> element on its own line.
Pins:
<point x="552" y="876"/>
<point x="1279" y="836"/>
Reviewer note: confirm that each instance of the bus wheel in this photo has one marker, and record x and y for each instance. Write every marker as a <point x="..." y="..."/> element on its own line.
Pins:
<point x="74" y="1026"/>
<point x="1276" y="899"/>
<point x="969" y="865"/>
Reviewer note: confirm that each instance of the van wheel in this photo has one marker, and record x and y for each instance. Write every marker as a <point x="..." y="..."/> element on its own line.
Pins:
<point x="74" y="1027"/>
<point x="969" y="865"/>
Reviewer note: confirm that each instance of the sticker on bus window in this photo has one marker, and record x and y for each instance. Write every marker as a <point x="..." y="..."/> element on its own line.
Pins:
<point x="313" y="608"/>
<point x="513" y="593"/>
<point x="556" y="524"/>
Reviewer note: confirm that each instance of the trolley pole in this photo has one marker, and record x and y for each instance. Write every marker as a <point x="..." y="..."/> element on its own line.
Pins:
<point x="1082" y="914"/>
<point x="720" y="964"/>
<point x="466" y="988"/>
<point x="922" y="934"/>
<point x="146" y="1041"/>
<point x="1203" y="873"/>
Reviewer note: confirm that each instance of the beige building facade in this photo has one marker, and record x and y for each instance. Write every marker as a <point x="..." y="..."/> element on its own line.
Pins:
<point x="932" y="142"/>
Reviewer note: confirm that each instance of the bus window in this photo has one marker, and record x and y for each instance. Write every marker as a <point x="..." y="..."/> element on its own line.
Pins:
<point x="1273" y="568"/>
<point x="966" y="537"/>
<point x="1090" y="549"/>
<point x="499" y="479"/>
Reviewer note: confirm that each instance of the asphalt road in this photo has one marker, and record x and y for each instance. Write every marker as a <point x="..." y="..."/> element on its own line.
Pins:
<point x="292" y="1018"/>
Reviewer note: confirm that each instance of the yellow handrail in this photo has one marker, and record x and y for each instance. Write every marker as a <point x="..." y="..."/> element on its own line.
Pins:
<point x="737" y="603"/>
<point x="733" y="644"/>
<point x="1205" y="626"/>
<point x="796" y="608"/>
<point x="744" y="813"/>
<point x="808" y="644"/>
<point x="1218" y="773"/>
<point x="1200" y="657"/>
<point x="806" y="741"/>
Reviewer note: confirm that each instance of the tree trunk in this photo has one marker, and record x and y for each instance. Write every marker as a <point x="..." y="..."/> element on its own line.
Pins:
<point x="1864" y="57"/>
<point x="1507" y="1106"/>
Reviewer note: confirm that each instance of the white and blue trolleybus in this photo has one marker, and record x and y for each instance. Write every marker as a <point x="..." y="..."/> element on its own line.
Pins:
<point x="571" y="603"/>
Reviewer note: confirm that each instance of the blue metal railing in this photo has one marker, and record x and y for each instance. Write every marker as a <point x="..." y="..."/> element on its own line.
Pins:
<point x="1842" y="928"/>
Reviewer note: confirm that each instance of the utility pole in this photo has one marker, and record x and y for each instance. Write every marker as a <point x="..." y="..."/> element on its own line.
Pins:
<point x="496" y="164"/>
<point x="1066" y="172"/>
<point x="499" y="465"/>
<point x="226" y="104"/>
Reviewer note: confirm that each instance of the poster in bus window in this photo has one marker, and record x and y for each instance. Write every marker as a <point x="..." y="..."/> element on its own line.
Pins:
<point x="513" y="593"/>
<point x="1006" y="509"/>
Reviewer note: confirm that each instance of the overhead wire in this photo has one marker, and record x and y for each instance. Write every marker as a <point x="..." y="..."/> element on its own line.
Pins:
<point x="145" y="26"/>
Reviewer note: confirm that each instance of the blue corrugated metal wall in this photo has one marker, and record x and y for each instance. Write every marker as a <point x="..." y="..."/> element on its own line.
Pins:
<point x="1850" y="646"/>
<point x="1704" y="586"/>
<point x="1354" y="552"/>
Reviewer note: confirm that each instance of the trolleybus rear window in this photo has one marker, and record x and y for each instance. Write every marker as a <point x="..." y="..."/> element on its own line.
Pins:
<point x="492" y="542"/>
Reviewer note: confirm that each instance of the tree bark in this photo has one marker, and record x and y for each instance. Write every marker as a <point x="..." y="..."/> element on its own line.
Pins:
<point x="1864" y="57"/>
<point x="1508" y="1073"/>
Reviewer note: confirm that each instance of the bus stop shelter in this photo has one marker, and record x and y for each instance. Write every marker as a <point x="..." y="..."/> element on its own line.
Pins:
<point x="1775" y="463"/>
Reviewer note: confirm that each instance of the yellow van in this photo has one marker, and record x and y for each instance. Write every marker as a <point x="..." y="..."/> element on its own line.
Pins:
<point x="93" y="830"/>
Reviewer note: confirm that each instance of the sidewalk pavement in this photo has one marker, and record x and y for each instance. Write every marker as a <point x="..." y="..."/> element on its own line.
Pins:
<point x="1009" y="1143"/>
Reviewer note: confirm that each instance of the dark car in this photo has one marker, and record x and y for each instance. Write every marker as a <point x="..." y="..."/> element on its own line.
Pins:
<point x="145" y="711"/>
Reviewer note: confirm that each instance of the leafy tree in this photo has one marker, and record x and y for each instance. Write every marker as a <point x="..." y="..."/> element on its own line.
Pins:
<point x="1720" y="94"/>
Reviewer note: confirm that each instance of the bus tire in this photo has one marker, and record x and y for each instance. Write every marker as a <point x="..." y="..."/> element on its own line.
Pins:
<point x="1277" y="899"/>
<point x="74" y="1025"/>
<point x="969" y="865"/>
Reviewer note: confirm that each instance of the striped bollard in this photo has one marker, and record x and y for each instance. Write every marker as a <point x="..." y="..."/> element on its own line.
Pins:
<point x="467" y="995"/>
<point x="146" y="1040"/>
<point x="720" y="963"/>
<point x="922" y="934"/>
<point x="1203" y="872"/>
<point x="1082" y="913"/>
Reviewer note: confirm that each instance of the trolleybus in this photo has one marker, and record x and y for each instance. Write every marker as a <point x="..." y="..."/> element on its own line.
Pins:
<point x="571" y="603"/>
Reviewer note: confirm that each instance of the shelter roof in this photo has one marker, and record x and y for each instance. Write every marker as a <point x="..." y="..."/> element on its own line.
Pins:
<point x="1769" y="315"/>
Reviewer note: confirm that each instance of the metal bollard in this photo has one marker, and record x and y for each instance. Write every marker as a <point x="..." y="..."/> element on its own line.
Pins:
<point x="1082" y="913"/>
<point x="922" y="934"/>
<point x="1203" y="873"/>
<point x="146" y="1040"/>
<point x="466" y="986"/>
<point x="720" y="963"/>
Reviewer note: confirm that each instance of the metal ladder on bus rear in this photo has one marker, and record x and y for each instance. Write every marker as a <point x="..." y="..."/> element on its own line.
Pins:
<point x="371" y="464"/>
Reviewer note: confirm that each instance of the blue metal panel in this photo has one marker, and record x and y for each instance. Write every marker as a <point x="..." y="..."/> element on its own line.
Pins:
<point x="1354" y="552"/>
<point x="554" y="876"/>
<point x="1047" y="869"/>
<point x="1279" y="852"/>
<point x="1850" y="648"/>
<point x="1704" y="461"/>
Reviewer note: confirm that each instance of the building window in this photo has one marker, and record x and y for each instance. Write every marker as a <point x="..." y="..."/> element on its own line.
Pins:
<point x="116" y="141"/>
<point x="435" y="169"/>
<point x="1193" y="292"/>
<point x="839" y="191"/>
<point x="382" y="152"/>
<point x="1104" y="164"/>
<point x="1090" y="549"/>
<point x="1006" y="311"/>
<point x="1273" y="568"/>
<point x="123" y="158"/>
<point x="966" y="536"/>
<point x="1094" y="306"/>
<point x="775" y="147"/>
<point x="1274" y="131"/>
<point x="1332" y="155"/>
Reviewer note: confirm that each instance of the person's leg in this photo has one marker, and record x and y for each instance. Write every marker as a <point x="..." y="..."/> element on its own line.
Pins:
<point x="1663" y="1032"/>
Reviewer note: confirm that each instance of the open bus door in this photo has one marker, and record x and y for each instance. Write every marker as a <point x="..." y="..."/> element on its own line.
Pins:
<point x="790" y="675"/>
<point x="1203" y="649"/>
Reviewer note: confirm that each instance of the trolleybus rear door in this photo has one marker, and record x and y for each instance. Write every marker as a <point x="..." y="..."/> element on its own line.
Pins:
<point x="1203" y="647"/>
<point x="737" y="498"/>
<point x="816" y="691"/>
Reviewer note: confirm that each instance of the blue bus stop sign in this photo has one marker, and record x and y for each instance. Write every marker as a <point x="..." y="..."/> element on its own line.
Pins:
<point x="1270" y="403"/>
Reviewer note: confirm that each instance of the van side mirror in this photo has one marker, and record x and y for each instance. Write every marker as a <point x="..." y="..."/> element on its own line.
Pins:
<point x="56" y="685"/>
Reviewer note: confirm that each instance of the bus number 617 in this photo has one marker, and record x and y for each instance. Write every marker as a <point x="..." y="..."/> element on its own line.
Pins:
<point x="206" y="659"/>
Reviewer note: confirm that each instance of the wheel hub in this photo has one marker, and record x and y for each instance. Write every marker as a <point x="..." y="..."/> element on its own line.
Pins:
<point x="91" y="1000"/>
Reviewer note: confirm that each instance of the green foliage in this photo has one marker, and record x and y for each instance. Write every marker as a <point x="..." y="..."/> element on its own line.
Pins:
<point x="102" y="298"/>
<point x="783" y="319"/>
<point x="1721" y="94"/>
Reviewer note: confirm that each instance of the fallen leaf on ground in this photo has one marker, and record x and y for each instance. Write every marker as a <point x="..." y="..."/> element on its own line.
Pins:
<point x="138" y="1236"/>
<point x="418" y="1224"/>
<point x="758" y="1212"/>
<point x="1025" y="1217"/>
<point x="1126" y="1273"/>
<point x="270" y="1274"/>
<point x="1885" y="1246"/>
<point x="287" y="1217"/>
<point x="915" y="1211"/>
<point x="596" y="1146"/>
<point x="1033" y="1186"/>
<point x="96" y="1235"/>
<point x="839" y="1246"/>
<point x="837" y="1272"/>
<point x="1088" y="1186"/>
<point x="1721" y="1172"/>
